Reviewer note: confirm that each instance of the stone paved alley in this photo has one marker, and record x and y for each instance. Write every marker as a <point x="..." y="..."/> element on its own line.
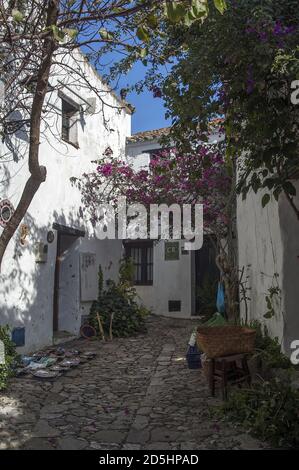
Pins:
<point x="136" y="394"/>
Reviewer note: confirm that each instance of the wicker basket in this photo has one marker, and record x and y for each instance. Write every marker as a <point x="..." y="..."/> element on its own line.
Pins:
<point x="217" y="341"/>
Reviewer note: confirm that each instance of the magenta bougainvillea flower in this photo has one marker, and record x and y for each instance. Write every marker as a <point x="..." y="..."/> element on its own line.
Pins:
<point x="172" y="177"/>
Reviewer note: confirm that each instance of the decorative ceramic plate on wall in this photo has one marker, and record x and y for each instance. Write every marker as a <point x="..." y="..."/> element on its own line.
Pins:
<point x="6" y="212"/>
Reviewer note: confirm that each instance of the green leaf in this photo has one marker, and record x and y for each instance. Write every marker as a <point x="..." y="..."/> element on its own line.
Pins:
<point x="175" y="11"/>
<point x="72" y="33"/>
<point x="277" y="192"/>
<point x="188" y="20"/>
<point x="152" y="21"/>
<point x="118" y="10"/>
<point x="220" y="5"/>
<point x="143" y="52"/>
<point x="269" y="315"/>
<point x="106" y="35"/>
<point x="58" y="34"/>
<point x="269" y="183"/>
<point x="130" y="48"/>
<point x="265" y="200"/>
<point x="268" y="302"/>
<point x="198" y="9"/>
<point x="17" y="15"/>
<point x="142" y="34"/>
<point x="289" y="188"/>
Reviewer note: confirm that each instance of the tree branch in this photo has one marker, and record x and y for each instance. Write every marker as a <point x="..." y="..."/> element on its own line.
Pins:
<point x="38" y="173"/>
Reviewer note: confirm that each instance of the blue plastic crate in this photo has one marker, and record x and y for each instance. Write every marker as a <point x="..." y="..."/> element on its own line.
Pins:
<point x="193" y="357"/>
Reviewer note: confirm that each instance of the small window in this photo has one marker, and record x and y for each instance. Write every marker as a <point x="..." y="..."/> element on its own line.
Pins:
<point x="69" y="123"/>
<point x="174" y="305"/>
<point x="141" y="253"/>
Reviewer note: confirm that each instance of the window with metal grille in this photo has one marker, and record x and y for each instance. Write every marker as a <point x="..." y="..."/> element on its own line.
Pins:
<point x="174" y="305"/>
<point x="141" y="253"/>
<point x="69" y="122"/>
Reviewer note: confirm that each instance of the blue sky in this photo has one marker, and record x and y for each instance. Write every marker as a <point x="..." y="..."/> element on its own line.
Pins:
<point x="150" y="111"/>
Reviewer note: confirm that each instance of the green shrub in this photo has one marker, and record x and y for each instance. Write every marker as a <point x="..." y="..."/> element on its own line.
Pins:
<point x="268" y="349"/>
<point x="120" y="300"/>
<point x="126" y="271"/>
<point x="6" y="370"/>
<point x="269" y="410"/>
<point x="270" y="353"/>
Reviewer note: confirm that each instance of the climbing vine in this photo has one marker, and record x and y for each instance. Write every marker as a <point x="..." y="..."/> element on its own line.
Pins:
<point x="241" y="66"/>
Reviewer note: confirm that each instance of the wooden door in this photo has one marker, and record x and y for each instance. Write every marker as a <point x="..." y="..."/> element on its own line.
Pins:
<point x="206" y="276"/>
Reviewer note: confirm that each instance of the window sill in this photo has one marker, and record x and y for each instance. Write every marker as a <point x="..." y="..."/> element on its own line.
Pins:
<point x="74" y="144"/>
<point x="140" y="284"/>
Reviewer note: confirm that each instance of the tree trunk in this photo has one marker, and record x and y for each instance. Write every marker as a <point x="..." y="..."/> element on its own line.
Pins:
<point x="227" y="261"/>
<point x="37" y="173"/>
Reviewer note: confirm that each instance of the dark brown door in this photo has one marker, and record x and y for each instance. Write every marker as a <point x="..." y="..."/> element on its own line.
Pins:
<point x="206" y="276"/>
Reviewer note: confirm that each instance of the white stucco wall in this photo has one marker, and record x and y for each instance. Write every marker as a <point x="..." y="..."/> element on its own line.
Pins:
<point x="289" y="228"/>
<point x="268" y="243"/>
<point x="26" y="287"/>
<point x="260" y="252"/>
<point x="136" y="153"/>
<point x="171" y="281"/>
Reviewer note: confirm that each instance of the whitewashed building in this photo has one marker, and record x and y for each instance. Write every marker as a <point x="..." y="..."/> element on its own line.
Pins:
<point x="168" y="278"/>
<point x="49" y="271"/>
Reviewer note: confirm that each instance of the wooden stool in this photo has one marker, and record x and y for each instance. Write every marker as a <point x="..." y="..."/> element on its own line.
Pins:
<point x="228" y="369"/>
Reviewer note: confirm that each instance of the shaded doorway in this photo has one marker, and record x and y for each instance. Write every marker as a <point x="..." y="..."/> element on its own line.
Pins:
<point x="206" y="279"/>
<point x="66" y="280"/>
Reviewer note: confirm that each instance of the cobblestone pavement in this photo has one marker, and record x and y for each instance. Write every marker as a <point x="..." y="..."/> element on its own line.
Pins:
<point x="136" y="394"/>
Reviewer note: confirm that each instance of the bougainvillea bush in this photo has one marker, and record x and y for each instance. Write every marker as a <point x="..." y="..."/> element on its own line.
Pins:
<point x="173" y="177"/>
<point x="241" y="66"/>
